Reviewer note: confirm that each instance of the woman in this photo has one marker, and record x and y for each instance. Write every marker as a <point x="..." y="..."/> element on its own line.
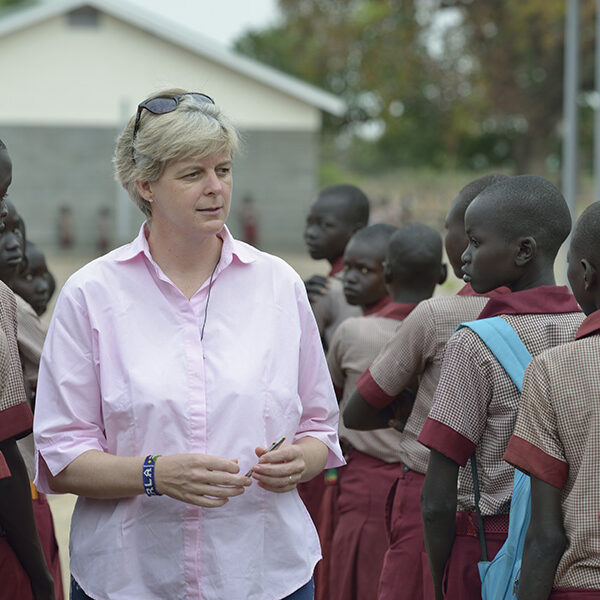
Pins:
<point x="195" y="351"/>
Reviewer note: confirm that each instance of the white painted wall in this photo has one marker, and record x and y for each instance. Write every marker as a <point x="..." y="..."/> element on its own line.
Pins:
<point x="56" y="74"/>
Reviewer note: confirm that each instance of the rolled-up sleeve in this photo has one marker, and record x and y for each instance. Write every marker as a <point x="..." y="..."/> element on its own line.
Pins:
<point x="320" y="412"/>
<point x="68" y="417"/>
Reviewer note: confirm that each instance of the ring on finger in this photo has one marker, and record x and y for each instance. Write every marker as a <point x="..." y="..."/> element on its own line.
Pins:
<point x="291" y="480"/>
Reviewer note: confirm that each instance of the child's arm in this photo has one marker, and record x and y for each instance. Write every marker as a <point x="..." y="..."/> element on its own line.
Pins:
<point x="544" y="544"/>
<point x="361" y="415"/>
<point x="316" y="286"/>
<point x="438" y="507"/>
<point x="16" y="517"/>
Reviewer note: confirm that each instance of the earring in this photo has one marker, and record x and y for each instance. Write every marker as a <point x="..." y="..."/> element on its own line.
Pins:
<point x="150" y="199"/>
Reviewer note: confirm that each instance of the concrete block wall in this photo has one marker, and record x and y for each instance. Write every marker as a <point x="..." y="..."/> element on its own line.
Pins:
<point x="68" y="166"/>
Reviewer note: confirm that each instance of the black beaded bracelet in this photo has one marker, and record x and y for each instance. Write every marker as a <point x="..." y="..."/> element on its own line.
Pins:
<point x="148" y="475"/>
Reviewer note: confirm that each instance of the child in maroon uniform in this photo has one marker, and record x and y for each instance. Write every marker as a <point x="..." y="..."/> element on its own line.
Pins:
<point x="413" y="267"/>
<point x="556" y="442"/>
<point x="415" y="352"/>
<point x="337" y="213"/>
<point x="515" y="229"/>
<point x="23" y="570"/>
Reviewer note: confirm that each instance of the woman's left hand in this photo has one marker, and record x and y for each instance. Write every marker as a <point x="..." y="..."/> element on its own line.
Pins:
<point x="281" y="470"/>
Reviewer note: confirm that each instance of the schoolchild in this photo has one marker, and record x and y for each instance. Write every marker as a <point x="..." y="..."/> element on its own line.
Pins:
<point x="556" y="441"/>
<point x="338" y="212"/>
<point x="23" y="569"/>
<point x="415" y="352"/>
<point x="514" y="228"/>
<point x="11" y="245"/>
<point x="32" y="282"/>
<point x="31" y="333"/>
<point x="411" y="270"/>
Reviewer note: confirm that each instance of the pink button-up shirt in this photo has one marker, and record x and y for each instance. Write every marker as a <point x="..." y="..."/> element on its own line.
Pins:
<point x="124" y="371"/>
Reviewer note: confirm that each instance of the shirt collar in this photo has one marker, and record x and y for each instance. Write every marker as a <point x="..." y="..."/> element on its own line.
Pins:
<point x="396" y="310"/>
<point x="337" y="266"/>
<point x="231" y="247"/>
<point x="467" y="290"/>
<point x="375" y="308"/>
<point x="590" y="326"/>
<point x="545" y="299"/>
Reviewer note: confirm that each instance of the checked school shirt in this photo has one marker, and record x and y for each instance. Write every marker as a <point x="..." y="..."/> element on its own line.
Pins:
<point x="475" y="404"/>
<point x="417" y="350"/>
<point x="556" y="440"/>
<point x="16" y="419"/>
<point x="354" y="345"/>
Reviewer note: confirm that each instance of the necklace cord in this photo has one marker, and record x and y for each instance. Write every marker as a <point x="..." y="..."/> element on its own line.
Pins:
<point x="208" y="300"/>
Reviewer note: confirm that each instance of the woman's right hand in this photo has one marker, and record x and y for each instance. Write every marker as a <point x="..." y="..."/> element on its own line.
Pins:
<point x="199" y="479"/>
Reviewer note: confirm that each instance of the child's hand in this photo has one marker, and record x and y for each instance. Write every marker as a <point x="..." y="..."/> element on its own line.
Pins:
<point x="281" y="470"/>
<point x="401" y="408"/>
<point x="316" y="286"/>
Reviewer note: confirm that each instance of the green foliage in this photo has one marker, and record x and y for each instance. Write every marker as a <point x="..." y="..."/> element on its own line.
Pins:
<point x="445" y="83"/>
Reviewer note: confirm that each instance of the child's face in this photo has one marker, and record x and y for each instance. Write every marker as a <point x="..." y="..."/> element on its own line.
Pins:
<point x="327" y="230"/>
<point x="11" y="246"/>
<point x="455" y="240"/>
<point x="364" y="281"/>
<point x="489" y="259"/>
<point x="5" y="179"/>
<point x="32" y="284"/>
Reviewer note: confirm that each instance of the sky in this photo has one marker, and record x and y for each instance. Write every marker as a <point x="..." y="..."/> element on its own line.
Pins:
<point x="222" y="20"/>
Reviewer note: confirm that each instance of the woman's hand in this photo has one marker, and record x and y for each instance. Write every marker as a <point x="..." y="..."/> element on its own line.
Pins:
<point x="280" y="470"/>
<point x="283" y="469"/>
<point x="207" y="481"/>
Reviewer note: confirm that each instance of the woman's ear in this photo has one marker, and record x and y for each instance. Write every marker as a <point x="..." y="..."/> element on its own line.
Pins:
<point x="526" y="251"/>
<point x="144" y="189"/>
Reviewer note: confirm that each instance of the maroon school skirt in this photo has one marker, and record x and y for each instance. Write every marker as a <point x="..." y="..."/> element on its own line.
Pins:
<point x="360" y="541"/>
<point x="574" y="594"/>
<point x="405" y="574"/>
<point x="45" y="527"/>
<point x="461" y="577"/>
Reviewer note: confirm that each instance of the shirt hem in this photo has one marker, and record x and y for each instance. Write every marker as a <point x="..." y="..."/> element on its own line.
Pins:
<point x="17" y="421"/>
<point x="442" y="438"/>
<point x="371" y="392"/>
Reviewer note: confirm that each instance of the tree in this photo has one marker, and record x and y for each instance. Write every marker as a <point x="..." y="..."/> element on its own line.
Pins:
<point x="436" y="82"/>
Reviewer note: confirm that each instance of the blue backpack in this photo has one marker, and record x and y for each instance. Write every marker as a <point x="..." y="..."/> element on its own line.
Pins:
<point x="500" y="576"/>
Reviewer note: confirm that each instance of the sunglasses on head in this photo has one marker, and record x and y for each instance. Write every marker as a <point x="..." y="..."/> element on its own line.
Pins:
<point x="161" y="105"/>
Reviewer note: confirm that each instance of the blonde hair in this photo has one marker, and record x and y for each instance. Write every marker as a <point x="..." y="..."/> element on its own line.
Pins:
<point x="192" y="129"/>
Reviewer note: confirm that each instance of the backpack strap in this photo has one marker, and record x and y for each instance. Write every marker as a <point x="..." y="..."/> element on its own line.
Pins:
<point x="506" y="345"/>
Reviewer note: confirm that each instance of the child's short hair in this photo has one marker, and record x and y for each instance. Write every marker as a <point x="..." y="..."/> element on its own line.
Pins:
<point x="377" y="236"/>
<point x="192" y="129"/>
<point x="586" y="235"/>
<point x="353" y="197"/>
<point x="529" y="205"/>
<point x="415" y="249"/>
<point x="470" y="191"/>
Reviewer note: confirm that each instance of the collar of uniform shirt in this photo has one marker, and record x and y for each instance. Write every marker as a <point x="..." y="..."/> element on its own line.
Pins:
<point x="396" y="310"/>
<point x="590" y="326"/>
<point x="542" y="300"/>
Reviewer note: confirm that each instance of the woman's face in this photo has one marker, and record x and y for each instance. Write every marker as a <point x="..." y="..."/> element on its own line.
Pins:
<point x="192" y="196"/>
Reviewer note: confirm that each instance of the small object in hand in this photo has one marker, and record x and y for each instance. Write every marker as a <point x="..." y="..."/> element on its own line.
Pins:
<point x="272" y="447"/>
